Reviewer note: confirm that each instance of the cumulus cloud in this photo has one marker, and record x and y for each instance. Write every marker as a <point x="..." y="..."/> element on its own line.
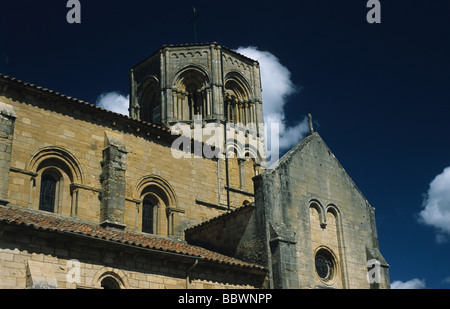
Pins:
<point x="277" y="87"/>
<point x="410" y="284"/>
<point x="446" y="280"/>
<point x="114" y="102"/>
<point x="436" y="211"/>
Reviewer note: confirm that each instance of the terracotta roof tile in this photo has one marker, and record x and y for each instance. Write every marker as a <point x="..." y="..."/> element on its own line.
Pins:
<point x="49" y="222"/>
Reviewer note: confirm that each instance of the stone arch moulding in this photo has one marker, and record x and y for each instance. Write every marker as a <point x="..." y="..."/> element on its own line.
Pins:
<point x="314" y="203"/>
<point x="241" y="150"/>
<point x="160" y="190"/>
<point x="149" y="85"/>
<point x="254" y="153"/>
<point x="161" y="184"/>
<point x="149" y="80"/>
<point x="149" y="100"/>
<point x="336" y="211"/>
<point x="238" y="80"/>
<point x="191" y="94"/>
<point x="107" y="272"/>
<point x="235" y="148"/>
<point x="57" y="153"/>
<point x="238" y="97"/>
<point x="201" y="75"/>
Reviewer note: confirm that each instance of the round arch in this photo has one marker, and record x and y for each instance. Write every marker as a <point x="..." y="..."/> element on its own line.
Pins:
<point x="150" y="100"/>
<point x="108" y="277"/>
<point x="238" y="84"/>
<point x="56" y="154"/>
<point x="149" y="80"/>
<point x="57" y="171"/>
<point x="191" y="75"/>
<point x="237" y="97"/>
<point x="334" y="210"/>
<point x="164" y="203"/>
<point x="162" y="186"/>
<point x="316" y="204"/>
<point x="191" y="92"/>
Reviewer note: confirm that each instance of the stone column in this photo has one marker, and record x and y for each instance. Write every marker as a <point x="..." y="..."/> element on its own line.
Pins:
<point x="217" y="95"/>
<point x="113" y="182"/>
<point x="133" y="105"/>
<point x="7" y="119"/>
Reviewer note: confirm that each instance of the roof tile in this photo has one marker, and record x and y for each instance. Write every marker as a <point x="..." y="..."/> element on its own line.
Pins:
<point x="49" y="222"/>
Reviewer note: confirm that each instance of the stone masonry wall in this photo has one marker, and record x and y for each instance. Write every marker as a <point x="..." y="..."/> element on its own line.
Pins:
<point x="46" y="121"/>
<point x="311" y="203"/>
<point x="40" y="260"/>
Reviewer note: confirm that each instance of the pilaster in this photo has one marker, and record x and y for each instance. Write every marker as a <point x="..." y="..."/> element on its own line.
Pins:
<point x="7" y="120"/>
<point x="113" y="182"/>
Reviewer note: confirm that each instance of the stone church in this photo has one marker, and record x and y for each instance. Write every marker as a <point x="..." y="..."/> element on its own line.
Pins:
<point x="94" y="199"/>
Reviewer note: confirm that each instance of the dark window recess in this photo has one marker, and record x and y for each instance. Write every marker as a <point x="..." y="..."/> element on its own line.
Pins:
<point x="110" y="284"/>
<point x="147" y="216"/>
<point x="48" y="193"/>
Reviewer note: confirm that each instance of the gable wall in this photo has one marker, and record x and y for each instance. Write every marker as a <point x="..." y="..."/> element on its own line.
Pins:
<point x="340" y="220"/>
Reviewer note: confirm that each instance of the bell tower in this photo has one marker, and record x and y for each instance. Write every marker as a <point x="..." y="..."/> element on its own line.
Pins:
<point x="200" y="82"/>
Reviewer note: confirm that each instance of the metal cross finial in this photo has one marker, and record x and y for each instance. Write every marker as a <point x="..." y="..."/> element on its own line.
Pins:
<point x="311" y="129"/>
<point x="194" y="22"/>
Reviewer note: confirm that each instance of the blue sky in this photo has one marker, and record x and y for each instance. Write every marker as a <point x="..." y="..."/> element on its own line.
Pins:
<point x="379" y="93"/>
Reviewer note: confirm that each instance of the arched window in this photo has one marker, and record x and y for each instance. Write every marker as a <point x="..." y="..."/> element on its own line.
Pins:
<point x="239" y="109"/>
<point x="149" y="210"/>
<point x="58" y="174"/>
<point x="158" y="206"/>
<point x="150" y="102"/>
<point x="326" y="237"/>
<point x="47" y="196"/>
<point x="191" y="94"/>
<point x="110" y="278"/>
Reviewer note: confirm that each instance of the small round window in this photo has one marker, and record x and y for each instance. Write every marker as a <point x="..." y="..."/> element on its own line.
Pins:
<point x="325" y="265"/>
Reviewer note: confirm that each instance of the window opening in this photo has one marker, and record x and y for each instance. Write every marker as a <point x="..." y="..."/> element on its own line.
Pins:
<point x="110" y="284"/>
<point x="148" y="215"/>
<point x="48" y="193"/>
<point x="325" y="265"/>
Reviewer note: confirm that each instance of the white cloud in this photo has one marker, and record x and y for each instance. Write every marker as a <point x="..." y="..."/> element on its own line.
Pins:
<point x="277" y="87"/>
<point x="446" y="280"/>
<point x="114" y="101"/>
<point x="410" y="284"/>
<point x="436" y="204"/>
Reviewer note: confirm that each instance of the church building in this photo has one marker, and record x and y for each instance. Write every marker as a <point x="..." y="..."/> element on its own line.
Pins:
<point x="92" y="199"/>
